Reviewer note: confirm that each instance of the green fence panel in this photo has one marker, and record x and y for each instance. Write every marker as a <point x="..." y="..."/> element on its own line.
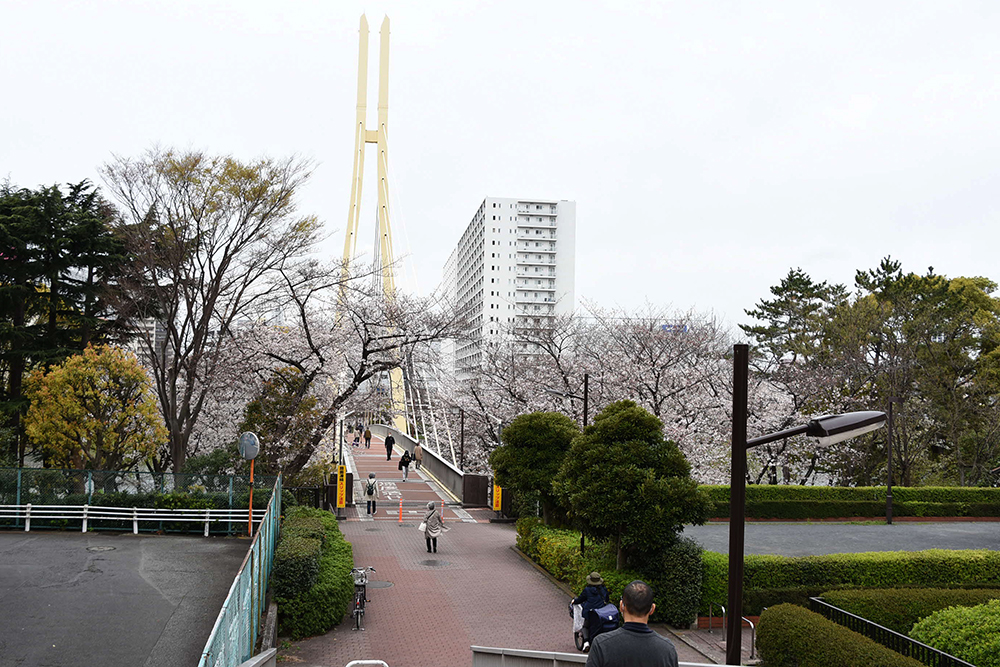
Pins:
<point x="234" y="636"/>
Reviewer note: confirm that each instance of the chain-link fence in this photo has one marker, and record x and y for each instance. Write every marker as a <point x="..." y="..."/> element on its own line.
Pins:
<point x="235" y="633"/>
<point x="108" y="488"/>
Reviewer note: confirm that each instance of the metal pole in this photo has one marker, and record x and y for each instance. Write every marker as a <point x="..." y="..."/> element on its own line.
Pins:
<point x="340" y="462"/>
<point x="888" y="495"/>
<point x="586" y="393"/>
<point x="461" y="440"/>
<point x="737" y="503"/>
<point x="250" y="521"/>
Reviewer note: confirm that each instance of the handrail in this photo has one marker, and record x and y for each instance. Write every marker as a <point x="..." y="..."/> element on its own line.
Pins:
<point x="753" y="638"/>
<point x="887" y="637"/>
<point x="540" y="658"/>
<point x="710" y="618"/>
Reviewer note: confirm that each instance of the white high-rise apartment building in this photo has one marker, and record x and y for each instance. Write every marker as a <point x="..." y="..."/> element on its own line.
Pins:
<point x="514" y="266"/>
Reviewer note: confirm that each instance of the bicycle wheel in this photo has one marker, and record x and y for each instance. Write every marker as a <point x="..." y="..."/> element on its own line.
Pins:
<point x="359" y="609"/>
<point x="578" y="640"/>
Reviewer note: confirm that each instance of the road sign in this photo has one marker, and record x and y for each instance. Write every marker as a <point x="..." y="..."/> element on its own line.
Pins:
<point x="249" y="446"/>
<point x="497" y="495"/>
<point x="341" y="486"/>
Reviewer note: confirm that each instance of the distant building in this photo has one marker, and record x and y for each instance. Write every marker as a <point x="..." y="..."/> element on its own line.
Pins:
<point x="514" y="266"/>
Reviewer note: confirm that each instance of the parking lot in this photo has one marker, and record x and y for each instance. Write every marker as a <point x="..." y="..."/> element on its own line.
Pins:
<point x="82" y="599"/>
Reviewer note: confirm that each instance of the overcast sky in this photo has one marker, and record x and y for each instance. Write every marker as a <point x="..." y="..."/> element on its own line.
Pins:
<point x="710" y="146"/>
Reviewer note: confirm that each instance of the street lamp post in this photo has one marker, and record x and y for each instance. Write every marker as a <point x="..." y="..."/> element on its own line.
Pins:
<point x="888" y="494"/>
<point x="585" y="398"/>
<point x="828" y="429"/>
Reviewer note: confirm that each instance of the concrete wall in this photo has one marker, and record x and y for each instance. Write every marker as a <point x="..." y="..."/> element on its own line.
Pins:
<point x="445" y="472"/>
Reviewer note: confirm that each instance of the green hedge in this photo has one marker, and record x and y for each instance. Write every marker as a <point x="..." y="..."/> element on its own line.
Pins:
<point x="773" y="579"/>
<point x="969" y="633"/>
<point x="303" y="612"/>
<point x="791" y="636"/>
<point x="781" y="501"/>
<point x="676" y="577"/>
<point x="899" y="608"/>
<point x="296" y="565"/>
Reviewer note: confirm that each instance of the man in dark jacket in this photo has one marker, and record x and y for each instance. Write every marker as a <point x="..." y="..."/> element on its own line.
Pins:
<point x="389" y="442"/>
<point x="634" y="644"/>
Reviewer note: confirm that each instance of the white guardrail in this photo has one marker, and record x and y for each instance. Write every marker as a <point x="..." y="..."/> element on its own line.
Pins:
<point x="490" y="656"/>
<point x="87" y="513"/>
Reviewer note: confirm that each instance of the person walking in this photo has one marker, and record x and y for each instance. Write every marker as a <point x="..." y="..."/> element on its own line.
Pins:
<point x="368" y="438"/>
<point x="418" y="456"/>
<point x="389" y="442"/>
<point x="433" y="527"/>
<point x="634" y="643"/>
<point x="372" y="493"/>
<point x="404" y="464"/>
<point x="593" y="596"/>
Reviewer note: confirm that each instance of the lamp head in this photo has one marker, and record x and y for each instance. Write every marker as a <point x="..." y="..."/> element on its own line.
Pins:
<point x="830" y="429"/>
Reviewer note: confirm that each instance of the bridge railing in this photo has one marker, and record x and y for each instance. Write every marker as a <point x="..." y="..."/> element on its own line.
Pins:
<point x="234" y="635"/>
<point x="446" y="473"/>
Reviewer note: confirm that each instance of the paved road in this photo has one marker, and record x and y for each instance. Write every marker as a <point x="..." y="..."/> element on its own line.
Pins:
<point x="804" y="539"/>
<point x="82" y="599"/>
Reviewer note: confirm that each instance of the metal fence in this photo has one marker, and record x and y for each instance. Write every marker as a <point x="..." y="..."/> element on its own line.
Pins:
<point x="108" y="488"/>
<point x="889" y="638"/>
<point x="234" y="636"/>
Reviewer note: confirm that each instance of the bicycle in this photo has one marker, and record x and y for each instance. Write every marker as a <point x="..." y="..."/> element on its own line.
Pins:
<point x="360" y="575"/>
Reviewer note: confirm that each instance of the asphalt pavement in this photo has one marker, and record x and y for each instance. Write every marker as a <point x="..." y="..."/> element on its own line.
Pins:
<point x="807" y="539"/>
<point x="71" y="599"/>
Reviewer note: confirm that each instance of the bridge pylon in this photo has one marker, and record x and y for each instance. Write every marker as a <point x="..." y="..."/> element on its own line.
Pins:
<point x="380" y="137"/>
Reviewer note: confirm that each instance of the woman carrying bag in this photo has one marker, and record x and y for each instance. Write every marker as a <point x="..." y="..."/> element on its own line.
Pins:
<point x="432" y="526"/>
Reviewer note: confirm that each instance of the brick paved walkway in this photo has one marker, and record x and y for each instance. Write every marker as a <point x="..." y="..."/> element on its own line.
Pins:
<point x="475" y="591"/>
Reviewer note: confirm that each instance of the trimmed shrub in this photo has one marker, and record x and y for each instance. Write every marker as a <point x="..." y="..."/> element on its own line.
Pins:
<point x="316" y="609"/>
<point x="794" y="503"/>
<point x="714" y="579"/>
<point x="791" y="636"/>
<point x="296" y="565"/>
<point x="675" y="577"/>
<point x="969" y="633"/>
<point x="678" y="582"/>
<point x="772" y="577"/>
<point x="899" y="608"/>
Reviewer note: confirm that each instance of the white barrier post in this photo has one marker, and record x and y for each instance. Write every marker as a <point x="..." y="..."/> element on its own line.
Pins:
<point x="135" y="521"/>
<point x="27" y="519"/>
<point x="85" y="507"/>
<point x="207" y="516"/>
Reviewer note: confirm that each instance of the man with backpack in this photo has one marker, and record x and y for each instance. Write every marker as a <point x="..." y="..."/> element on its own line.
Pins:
<point x="372" y="493"/>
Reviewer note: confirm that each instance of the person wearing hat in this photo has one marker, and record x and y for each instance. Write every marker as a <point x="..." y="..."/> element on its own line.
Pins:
<point x="594" y="596"/>
<point x="434" y="526"/>
<point x="371" y="493"/>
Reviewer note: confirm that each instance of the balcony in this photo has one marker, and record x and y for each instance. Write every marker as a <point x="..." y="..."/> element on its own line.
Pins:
<point x="528" y="222"/>
<point x="535" y="262"/>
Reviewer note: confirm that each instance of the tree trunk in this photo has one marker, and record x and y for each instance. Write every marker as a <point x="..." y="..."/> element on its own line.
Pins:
<point x="620" y="554"/>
